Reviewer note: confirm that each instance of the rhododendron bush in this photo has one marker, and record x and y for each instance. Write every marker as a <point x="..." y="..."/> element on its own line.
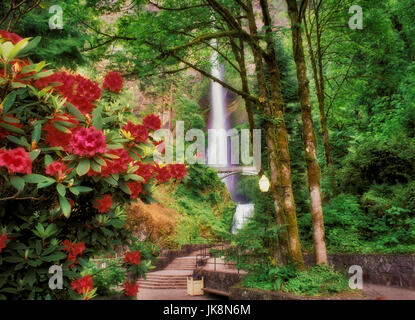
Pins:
<point x="71" y="158"/>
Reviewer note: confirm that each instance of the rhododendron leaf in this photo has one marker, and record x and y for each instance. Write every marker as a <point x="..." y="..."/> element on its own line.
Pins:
<point x="34" y="154"/>
<point x="61" y="128"/>
<point x="124" y="188"/>
<point x="21" y="142"/>
<point x="36" y="178"/>
<point x="48" y="160"/>
<point x="61" y="189"/>
<point x="17" y="182"/>
<point x="8" y="101"/>
<point x="111" y="156"/>
<point x="37" y="132"/>
<point x="95" y="166"/>
<point x="134" y="177"/>
<point x="18" y="47"/>
<point x="40" y="66"/>
<point x="70" y="157"/>
<point x="11" y="128"/>
<point x="10" y="119"/>
<point x="51" y="149"/>
<point x="16" y="85"/>
<point x="115" y="176"/>
<point x="65" y="124"/>
<point x="31" y="45"/>
<point x="97" y="118"/>
<point x="110" y="119"/>
<point x="100" y="161"/>
<point x="83" y="167"/>
<point x="114" y="146"/>
<point x="43" y="74"/>
<point x="5" y="49"/>
<point x="45" y="184"/>
<point x="56" y="256"/>
<point x="111" y="181"/>
<point x="65" y="207"/>
<point x="78" y="189"/>
<point x="75" y="112"/>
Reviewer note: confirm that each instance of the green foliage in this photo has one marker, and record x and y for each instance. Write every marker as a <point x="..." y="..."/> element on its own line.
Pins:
<point x="315" y="281"/>
<point x="106" y="280"/>
<point x="188" y="111"/>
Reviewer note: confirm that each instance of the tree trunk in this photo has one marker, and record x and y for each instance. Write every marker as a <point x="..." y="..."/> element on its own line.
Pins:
<point x="310" y="145"/>
<point x="277" y="107"/>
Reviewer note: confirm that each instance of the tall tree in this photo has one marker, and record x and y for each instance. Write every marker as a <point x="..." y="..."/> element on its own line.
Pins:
<point x="310" y="144"/>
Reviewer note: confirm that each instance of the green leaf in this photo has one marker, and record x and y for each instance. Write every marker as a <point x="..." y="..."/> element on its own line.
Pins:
<point x="17" y="182"/>
<point x="95" y="166"/>
<point x="36" y="178"/>
<point x="48" y="160"/>
<point x="54" y="257"/>
<point x="97" y="118"/>
<point x="134" y="177"/>
<point x="37" y="132"/>
<point x="83" y="167"/>
<point x="18" y="47"/>
<point x="11" y="128"/>
<point x="100" y="161"/>
<point x="31" y="45"/>
<point x="124" y="188"/>
<point x="61" y="189"/>
<point x="61" y="128"/>
<point x="75" y="112"/>
<point x="21" y="142"/>
<point x="78" y="189"/>
<point x="65" y="206"/>
<point x="45" y="184"/>
<point x="34" y="154"/>
<point x="8" y="101"/>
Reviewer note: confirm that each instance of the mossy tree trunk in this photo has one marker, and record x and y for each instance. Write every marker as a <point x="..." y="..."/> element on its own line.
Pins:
<point x="310" y="144"/>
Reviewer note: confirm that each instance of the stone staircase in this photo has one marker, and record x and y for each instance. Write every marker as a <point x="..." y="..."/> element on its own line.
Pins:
<point x="174" y="276"/>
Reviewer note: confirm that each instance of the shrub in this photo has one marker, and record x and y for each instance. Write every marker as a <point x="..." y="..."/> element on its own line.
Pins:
<point x="69" y="163"/>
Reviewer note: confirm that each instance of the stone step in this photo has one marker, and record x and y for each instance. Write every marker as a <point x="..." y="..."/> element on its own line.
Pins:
<point x="161" y="278"/>
<point x="169" y="283"/>
<point x="163" y="287"/>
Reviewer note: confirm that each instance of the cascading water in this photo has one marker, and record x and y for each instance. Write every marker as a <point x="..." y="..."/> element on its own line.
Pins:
<point x="218" y="153"/>
<point x="242" y="214"/>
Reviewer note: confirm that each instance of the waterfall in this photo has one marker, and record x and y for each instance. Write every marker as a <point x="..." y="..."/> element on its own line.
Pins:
<point x="242" y="214"/>
<point x="218" y="150"/>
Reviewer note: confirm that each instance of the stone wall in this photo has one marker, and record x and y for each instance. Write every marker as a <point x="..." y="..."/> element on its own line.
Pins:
<point x="218" y="280"/>
<point x="238" y="293"/>
<point x="390" y="270"/>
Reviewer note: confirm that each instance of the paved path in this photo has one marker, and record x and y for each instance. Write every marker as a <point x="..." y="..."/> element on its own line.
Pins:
<point x="379" y="292"/>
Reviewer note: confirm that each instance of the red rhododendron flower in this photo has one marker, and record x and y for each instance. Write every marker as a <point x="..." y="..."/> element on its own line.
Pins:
<point x="79" y="91"/>
<point x="83" y="285"/>
<point x="133" y="257"/>
<point x="3" y="239"/>
<point x="10" y="36"/>
<point x="137" y="131"/>
<point x="178" y="171"/>
<point x="163" y="173"/>
<point x="145" y="170"/>
<point x="4" y="132"/>
<point x="136" y="188"/>
<point x="88" y="141"/>
<point x="58" y="169"/>
<point x="16" y="160"/>
<point x="113" y="81"/>
<point x="74" y="250"/>
<point x="131" y="289"/>
<point x="104" y="204"/>
<point x="152" y="122"/>
<point x="57" y="138"/>
<point x="113" y="165"/>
